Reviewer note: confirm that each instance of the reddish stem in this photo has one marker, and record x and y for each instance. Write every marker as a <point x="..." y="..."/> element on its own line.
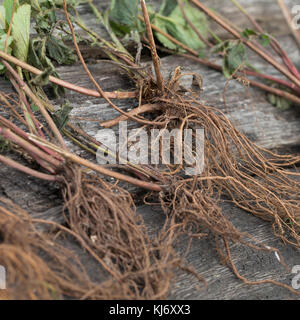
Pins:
<point x="28" y="108"/>
<point x="11" y="163"/>
<point x="252" y="46"/>
<point x="29" y="147"/>
<point x="67" y="85"/>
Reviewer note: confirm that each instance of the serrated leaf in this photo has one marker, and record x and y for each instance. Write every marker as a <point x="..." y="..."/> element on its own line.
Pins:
<point x="59" y="52"/>
<point x="164" y="26"/>
<point x="236" y="57"/>
<point x="20" y="32"/>
<point x="176" y="25"/>
<point x="123" y="14"/>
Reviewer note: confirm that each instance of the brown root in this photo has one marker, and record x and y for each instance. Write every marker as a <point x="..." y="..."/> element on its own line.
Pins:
<point x="37" y="266"/>
<point x="103" y="214"/>
<point x="235" y="169"/>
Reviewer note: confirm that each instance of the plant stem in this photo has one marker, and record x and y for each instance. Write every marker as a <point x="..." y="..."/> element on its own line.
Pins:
<point x="262" y="86"/>
<point x="155" y="58"/>
<point x="101" y="92"/>
<point x="32" y="123"/>
<point x="8" y="124"/>
<point x="40" y="105"/>
<point x="11" y="163"/>
<point x="97" y="168"/>
<point x="13" y="110"/>
<point x="274" y="44"/>
<point x="95" y="37"/>
<point x="181" y="6"/>
<point x="67" y="85"/>
<point x="288" y="19"/>
<point x="107" y="27"/>
<point x="246" y="71"/>
<point x="252" y="46"/>
<point x="76" y="141"/>
<point x="276" y="47"/>
<point x="29" y="147"/>
<point x="139" y="110"/>
<point x="10" y="24"/>
<point x="285" y="83"/>
<point x="128" y="166"/>
<point x="180" y="44"/>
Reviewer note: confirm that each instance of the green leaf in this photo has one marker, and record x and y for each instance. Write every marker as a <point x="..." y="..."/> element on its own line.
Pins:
<point x="8" y="5"/>
<point x="59" y="52"/>
<point x="279" y="102"/>
<point x="225" y="67"/>
<point x="20" y="32"/>
<point x="34" y="108"/>
<point x="167" y="7"/>
<point x="45" y="21"/>
<point x="165" y="26"/>
<point x="248" y="32"/>
<point x="61" y="116"/>
<point x="176" y="25"/>
<point x="235" y="57"/>
<point x="264" y="40"/>
<point x="37" y="58"/>
<point x="43" y="78"/>
<point x="185" y="33"/>
<point x="9" y="43"/>
<point x="220" y="47"/>
<point x="2" y="46"/>
<point x="123" y="14"/>
<point x="2" y="18"/>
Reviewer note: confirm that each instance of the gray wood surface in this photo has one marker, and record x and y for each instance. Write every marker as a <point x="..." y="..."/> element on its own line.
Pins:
<point x="250" y="111"/>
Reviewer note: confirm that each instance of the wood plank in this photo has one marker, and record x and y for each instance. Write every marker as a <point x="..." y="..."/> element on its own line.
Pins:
<point x="255" y="116"/>
<point x="221" y="282"/>
<point x="266" y="12"/>
<point x="248" y="110"/>
<point x="34" y="196"/>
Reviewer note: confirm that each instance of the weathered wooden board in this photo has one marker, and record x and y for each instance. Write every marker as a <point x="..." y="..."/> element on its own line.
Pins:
<point x="34" y="195"/>
<point x="266" y="12"/>
<point x="249" y="110"/>
<point x="221" y="283"/>
<point x="264" y="124"/>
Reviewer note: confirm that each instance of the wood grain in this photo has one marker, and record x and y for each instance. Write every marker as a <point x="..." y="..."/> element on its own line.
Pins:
<point x="250" y="111"/>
